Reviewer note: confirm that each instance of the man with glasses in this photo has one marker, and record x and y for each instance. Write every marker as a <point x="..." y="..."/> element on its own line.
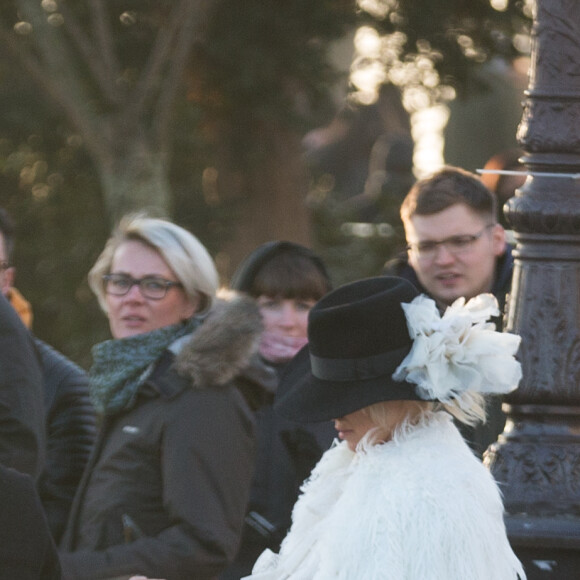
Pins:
<point x="456" y="247"/>
<point x="69" y="415"/>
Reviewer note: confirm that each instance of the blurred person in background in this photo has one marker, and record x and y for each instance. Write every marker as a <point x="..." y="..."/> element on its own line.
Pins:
<point x="361" y="167"/>
<point x="166" y="488"/>
<point x="286" y="280"/>
<point x="70" y="417"/>
<point x="456" y="248"/>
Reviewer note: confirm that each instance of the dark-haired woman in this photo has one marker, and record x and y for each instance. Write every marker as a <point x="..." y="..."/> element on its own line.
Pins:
<point x="286" y="280"/>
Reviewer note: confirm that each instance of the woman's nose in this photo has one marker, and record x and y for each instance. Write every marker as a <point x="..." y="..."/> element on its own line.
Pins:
<point x="134" y="294"/>
<point x="287" y="316"/>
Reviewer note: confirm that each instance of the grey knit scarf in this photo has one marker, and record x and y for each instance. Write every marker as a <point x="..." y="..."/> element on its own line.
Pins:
<point x="121" y="365"/>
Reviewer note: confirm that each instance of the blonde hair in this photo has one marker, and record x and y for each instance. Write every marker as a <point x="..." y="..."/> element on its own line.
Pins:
<point x="469" y="409"/>
<point x="182" y="251"/>
<point x="389" y="416"/>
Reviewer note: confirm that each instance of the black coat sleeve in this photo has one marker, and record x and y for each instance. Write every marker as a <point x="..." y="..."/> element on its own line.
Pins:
<point x="27" y="550"/>
<point x="70" y="433"/>
<point x="22" y="433"/>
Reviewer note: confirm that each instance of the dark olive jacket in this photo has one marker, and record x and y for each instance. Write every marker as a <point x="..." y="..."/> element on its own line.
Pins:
<point x="166" y="488"/>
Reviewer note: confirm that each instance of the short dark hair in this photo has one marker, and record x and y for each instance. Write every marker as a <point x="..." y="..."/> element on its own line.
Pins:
<point x="291" y="275"/>
<point x="7" y="230"/>
<point x="449" y="186"/>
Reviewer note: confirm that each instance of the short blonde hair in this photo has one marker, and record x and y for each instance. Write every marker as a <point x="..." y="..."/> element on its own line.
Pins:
<point x="181" y="250"/>
<point x="381" y="414"/>
<point x="468" y="408"/>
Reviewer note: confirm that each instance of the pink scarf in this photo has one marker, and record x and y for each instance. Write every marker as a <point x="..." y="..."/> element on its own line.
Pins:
<point x="278" y="348"/>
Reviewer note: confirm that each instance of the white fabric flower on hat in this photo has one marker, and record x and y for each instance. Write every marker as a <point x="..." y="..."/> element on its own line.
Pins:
<point x="459" y="351"/>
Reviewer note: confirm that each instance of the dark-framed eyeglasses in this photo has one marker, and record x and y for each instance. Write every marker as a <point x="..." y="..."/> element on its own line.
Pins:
<point x="152" y="287"/>
<point x="4" y="265"/>
<point x="455" y="245"/>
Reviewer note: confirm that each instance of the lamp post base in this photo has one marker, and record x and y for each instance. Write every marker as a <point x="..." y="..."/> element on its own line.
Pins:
<point x="548" y="547"/>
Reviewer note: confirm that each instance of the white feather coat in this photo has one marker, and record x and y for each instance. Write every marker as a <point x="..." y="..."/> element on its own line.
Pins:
<point x="420" y="507"/>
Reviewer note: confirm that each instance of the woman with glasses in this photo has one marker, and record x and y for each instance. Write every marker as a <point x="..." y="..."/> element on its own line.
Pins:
<point x="166" y="488"/>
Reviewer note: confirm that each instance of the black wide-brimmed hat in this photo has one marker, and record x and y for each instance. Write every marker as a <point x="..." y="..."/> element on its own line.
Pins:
<point x="357" y="337"/>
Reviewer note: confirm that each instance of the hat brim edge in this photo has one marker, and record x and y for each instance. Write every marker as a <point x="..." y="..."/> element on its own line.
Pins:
<point x="304" y="398"/>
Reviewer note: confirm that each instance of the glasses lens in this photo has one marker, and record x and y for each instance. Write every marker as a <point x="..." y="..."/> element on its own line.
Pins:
<point x="153" y="288"/>
<point x="117" y="285"/>
<point x="459" y="244"/>
<point x="426" y="249"/>
<point x="455" y="245"/>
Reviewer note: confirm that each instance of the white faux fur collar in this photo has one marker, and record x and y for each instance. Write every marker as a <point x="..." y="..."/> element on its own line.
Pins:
<point x="420" y="507"/>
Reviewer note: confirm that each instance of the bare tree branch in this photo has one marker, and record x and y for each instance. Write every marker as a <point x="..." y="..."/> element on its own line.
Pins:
<point x="191" y="31"/>
<point x="51" y="51"/>
<point x="80" y="116"/>
<point x="102" y="70"/>
<point x="151" y="76"/>
<point x="105" y="38"/>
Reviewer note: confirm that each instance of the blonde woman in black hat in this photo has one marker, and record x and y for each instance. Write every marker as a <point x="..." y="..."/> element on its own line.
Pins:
<point x="401" y="496"/>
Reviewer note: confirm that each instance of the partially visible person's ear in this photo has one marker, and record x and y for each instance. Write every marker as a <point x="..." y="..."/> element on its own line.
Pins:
<point x="7" y="280"/>
<point x="498" y="239"/>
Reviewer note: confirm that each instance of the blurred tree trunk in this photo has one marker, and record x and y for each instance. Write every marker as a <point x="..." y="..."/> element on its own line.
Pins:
<point x="117" y="97"/>
<point x="135" y="180"/>
<point x="272" y="196"/>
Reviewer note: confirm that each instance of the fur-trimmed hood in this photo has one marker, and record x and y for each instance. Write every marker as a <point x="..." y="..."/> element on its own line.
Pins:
<point x="223" y="345"/>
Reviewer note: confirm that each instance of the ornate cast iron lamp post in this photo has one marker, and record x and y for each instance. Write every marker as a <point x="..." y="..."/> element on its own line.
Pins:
<point x="537" y="458"/>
